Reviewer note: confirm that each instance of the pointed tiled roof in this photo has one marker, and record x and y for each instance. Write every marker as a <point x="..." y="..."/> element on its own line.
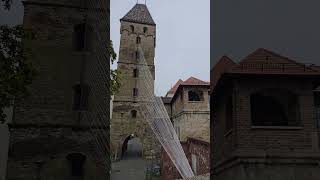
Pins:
<point x="175" y="87"/>
<point x="261" y="62"/>
<point x="191" y="81"/>
<point x="194" y="81"/>
<point x="139" y="14"/>
<point x="262" y="55"/>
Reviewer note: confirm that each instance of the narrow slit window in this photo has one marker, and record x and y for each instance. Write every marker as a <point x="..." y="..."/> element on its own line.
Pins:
<point x="131" y="28"/>
<point x="80" y="97"/>
<point x="133" y="114"/>
<point x="138" y="40"/>
<point x="79" y="32"/>
<point x="135" y="73"/>
<point x="135" y="92"/>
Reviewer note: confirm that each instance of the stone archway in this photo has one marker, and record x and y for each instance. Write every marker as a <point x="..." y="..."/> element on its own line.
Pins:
<point x="132" y="147"/>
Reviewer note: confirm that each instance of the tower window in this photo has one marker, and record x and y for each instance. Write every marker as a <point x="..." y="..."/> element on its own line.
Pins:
<point x="79" y="32"/>
<point x="195" y="95"/>
<point x="135" y="92"/>
<point x="154" y="41"/>
<point x="133" y="113"/>
<point x="131" y="28"/>
<point x="138" y="40"/>
<point x="76" y="161"/>
<point x="137" y="55"/>
<point x="135" y="73"/>
<point x="145" y="30"/>
<point x="80" y="99"/>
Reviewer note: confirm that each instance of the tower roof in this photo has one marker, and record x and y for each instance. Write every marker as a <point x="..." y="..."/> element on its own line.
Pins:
<point x="139" y="14"/>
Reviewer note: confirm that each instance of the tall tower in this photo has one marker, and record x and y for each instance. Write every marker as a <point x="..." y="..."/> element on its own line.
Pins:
<point x="60" y="130"/>
<point x="137" y="30"/>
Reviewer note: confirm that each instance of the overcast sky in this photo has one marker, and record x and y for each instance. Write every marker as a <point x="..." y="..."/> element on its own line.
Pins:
<point x="183" y="38"/>
<point x="288" y="27"/>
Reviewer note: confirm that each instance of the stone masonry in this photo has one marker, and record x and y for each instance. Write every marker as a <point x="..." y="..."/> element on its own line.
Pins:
<point x="48" y="134"/>
<point x="137" y="29"/>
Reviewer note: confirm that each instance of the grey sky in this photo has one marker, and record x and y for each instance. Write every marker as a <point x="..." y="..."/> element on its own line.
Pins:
<point x="14" y="16"/>
<point x="289" y="27"/>
<point x="183" y="38"/>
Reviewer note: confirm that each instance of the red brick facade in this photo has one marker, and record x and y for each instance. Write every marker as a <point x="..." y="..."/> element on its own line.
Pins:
<point x="198" y="148"/>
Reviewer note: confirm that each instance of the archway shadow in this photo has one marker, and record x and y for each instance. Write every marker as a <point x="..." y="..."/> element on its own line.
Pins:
<point x="132" y="148"/>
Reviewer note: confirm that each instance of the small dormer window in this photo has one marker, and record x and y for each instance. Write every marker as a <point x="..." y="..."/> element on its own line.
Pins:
<point x="145" y="30"/>
<point x="138" y="40"/>
<point x="131" y="28"/>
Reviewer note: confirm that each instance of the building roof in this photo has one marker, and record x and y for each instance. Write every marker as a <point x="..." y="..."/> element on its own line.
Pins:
<point x="166" y="100"/>
<point x="194" y="81"/>
<point x="139" y="14"/>
<point x="175" y="87"/>
<point x="261" y="62"/>
<point x="191" y="81"/>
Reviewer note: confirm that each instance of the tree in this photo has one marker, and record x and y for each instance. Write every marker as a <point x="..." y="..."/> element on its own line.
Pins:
<point x="115" y="75"/>
<point x="16" y="70"/>
<point x="6" y="4"/>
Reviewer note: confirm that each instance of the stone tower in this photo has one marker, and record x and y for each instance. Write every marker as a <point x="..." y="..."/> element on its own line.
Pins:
<point x="60" y="130"/>
<point x="137" y="29"/>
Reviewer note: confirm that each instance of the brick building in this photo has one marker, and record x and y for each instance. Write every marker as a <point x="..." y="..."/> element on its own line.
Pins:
<point x="137" y="29"/>
<point x="60" y="131"/>
<point x="187" y="104"/>
<point x="264" y="113"/>
<point x="197" y="152"/>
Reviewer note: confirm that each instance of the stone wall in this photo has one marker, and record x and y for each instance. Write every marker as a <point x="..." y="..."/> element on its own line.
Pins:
<point x="45" y="127"/>
<point x="123" y="124"/>
<point x="191" y="118"/>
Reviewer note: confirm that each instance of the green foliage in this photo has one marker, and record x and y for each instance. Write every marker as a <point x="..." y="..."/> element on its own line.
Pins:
<point x="16" y="72"/>
<point x="115" y="75"/>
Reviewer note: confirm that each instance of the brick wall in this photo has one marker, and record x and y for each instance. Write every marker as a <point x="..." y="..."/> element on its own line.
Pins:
<point x="193" y="146"/>
<point x="246" y="144"/>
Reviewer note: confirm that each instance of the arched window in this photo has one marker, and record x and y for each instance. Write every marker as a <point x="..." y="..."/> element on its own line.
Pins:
<point x="194" y="95"/>
<point x="76" y="161"/>
<point x="274" y="107"/>
<point x="131" y="28"/>
<point x="133" y="114"/>
<point x="145" y="30"/>
<point x="80" y="97"/>
<point x="138" y="40"/>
